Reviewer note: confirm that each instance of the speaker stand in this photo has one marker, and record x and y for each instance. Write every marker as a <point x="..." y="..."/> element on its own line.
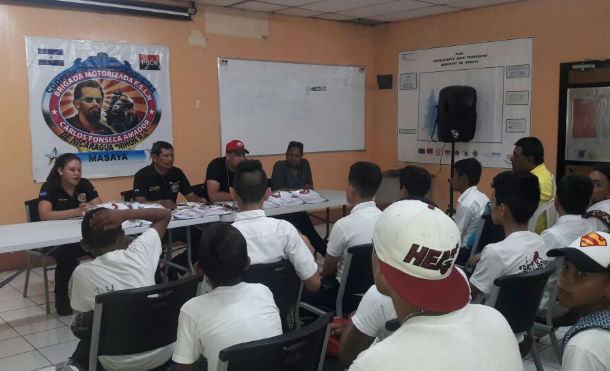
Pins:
<point x="450" y="210"/>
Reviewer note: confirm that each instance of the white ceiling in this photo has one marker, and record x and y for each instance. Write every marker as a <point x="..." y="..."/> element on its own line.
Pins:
<point x="352" y="10"/>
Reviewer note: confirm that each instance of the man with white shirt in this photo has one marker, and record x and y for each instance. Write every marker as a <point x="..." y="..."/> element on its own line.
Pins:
<point x="415" y="246"/>
<point x="573" y="194"/>
<point x="269" y="240"/>
<point x="471" y="203"/>
<point x="514" y="200"/>
<point x="598" y="215"/>
<point x="116" y="268"/>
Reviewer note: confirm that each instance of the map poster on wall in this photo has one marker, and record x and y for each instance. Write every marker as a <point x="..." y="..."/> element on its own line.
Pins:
<point x="105" y="102"/>
<point x="588" y="124"/>
<point x="501" y="73"/>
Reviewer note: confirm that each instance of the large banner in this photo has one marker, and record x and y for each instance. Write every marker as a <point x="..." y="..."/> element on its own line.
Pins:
<point x="106" y="102"/>
<point x="501" y="73"/>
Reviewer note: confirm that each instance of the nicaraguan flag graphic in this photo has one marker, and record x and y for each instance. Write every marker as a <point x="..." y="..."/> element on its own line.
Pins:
<point x="50" y="57"/>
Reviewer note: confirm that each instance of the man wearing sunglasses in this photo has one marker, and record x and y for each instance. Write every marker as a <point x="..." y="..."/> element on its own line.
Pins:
<point x="88" y="100"/>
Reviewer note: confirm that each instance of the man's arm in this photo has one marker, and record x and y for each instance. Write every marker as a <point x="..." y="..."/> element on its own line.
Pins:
<point x="353" y="341"/>
<point x="313" y="283"/>
<point x="183" y="367"/>
<point x="214" y="192"/>
<point x="112" y="218"/>
<point x="192" y="197"/>
<point x="329" y="269"/>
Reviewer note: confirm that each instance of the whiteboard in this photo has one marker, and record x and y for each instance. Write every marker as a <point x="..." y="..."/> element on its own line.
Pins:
<point x="268" y="104"/>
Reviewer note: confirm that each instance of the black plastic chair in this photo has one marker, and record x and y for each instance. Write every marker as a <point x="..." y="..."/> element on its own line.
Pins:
<point x="517" y="297"/>
<point x="127" y="196"/>
<point x="303" y="349"/>
<point x="285" y="285"/>
<point x="138" y="320"/>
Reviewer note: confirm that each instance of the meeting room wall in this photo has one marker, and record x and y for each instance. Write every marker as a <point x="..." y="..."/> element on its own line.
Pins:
<point x="563" y="30"/>
<point x="194" y="84"/>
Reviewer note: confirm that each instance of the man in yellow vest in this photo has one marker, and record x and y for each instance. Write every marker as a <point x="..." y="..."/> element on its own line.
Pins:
<point x="528" y="155"/>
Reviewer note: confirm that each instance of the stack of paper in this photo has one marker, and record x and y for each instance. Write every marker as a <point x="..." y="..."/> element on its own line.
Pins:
<point x="309" y="196"/>
<point x="282" y="199"/>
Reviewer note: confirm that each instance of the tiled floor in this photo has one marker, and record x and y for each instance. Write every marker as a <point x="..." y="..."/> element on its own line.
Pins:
<point x="30" y="339"/>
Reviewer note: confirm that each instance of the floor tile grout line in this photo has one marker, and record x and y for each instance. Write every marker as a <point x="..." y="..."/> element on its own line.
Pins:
<point x="16" y="354"/>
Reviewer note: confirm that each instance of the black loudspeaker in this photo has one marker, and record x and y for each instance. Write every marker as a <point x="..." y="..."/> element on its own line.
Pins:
<point x="384" y="81"/>
<point x="457" y="114"/>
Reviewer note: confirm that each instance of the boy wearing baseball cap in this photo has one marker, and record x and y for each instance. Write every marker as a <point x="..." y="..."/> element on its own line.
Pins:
<point x="221" y="170"/>
<point x="584" y="285"/>
<point x="415" y="246"/>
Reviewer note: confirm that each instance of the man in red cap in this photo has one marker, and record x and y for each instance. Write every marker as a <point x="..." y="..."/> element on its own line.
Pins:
<point x="415" y="246"/>
<point x="219" y="176"/>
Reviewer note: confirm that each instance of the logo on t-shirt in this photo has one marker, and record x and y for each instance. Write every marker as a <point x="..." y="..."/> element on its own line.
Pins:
<point x="593" y="239"/>
<point x="82" y="197"/>
<point x="154" y="188"/>
<point x="174" y="186"/>
<point x="537" y="263"/>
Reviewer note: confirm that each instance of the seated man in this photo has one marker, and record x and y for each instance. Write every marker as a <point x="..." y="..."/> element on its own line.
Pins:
<point x="415" y="182"/>
<point x="161" y="180"/>
<point x="471" y="203"/>
<point x="413" y="262"/>
<point x="116" y="268"/>
<point x="269" y="240"/>
<point x="573" y="194"/>
<point x="355" y="229"/>
<point x="584" y="286"/>
<point x="221" y="171"/>
<point x="514" y="199"/>
<point x="233" y="312"/>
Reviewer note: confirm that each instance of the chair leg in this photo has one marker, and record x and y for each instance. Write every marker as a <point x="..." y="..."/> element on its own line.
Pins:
<point x="45" y="275"/>
<point x="556" y="346"/>
<point x="27" y="276"/>
<point x="534" y="351"/>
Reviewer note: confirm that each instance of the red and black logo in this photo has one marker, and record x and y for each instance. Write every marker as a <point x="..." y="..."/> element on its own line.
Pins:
<point x="150" y="62"/>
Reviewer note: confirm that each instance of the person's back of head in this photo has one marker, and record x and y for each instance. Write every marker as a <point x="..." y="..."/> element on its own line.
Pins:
<point x="470" y="168"/>
<point x="532" y="147"/>
<point x="250" y="181"/>
<point x="519" y="191"/>
<point x="574" y="192"/>
<point x="365" y="177"/>
<point x="415" y="180"/>
<point x="223" y="256"/>
<point x="97" y="239"/>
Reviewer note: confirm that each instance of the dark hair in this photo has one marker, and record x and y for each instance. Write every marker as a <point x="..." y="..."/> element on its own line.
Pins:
<point x="223" y="255"/>
<point x="97" y="238"/>
<point x="532" y="147"/>
<point x="295" y="144"/>
<point x="574" y="192"/>
<point x="159" y="146"/>
<point x="423" y="199"/>
<point x="78" y="90"/>
<point x="471" y="168"/>
<point x="60" y="163"/>
<point x="604" y="169"/>
<point x="250" y="181"/>
<point x="519" y="191"/>
<point x="416" y="180"/>
<point x="365" y="177"/>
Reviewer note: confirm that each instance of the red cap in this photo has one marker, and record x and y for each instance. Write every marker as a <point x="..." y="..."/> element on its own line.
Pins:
<point x="236" y="145"/>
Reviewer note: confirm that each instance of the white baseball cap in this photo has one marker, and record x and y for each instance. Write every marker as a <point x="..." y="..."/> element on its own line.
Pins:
<point x="417" y="245"/>
<point x="589" y="253"/>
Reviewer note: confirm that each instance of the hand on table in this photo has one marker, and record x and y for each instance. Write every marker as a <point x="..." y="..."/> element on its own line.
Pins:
<point x="168" y="204"/>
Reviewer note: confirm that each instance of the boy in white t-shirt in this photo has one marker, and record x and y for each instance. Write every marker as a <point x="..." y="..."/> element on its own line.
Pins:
<point x="514" y="199"/>
<point x="116" y="268"/>
<point x="598" y="215"/>
<point x="354" y="229"/>
<point x="413" y="263"/>
<point x="234" y="312"/>
<point x="269" y="240"/>
<point x="471" y="203"/>
<point x="584" y="286"/>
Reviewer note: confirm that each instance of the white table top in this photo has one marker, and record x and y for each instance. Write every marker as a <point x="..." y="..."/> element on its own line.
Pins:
<point x="26" y="236"/>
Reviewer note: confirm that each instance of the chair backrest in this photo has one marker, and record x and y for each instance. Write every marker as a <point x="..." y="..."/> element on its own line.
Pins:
<point x="517" y="296"/>
<point x="357" y="278"/>
<point x="200" y="190"/>
<point x="138" y="320"/>
<point x="127" y="195"/>
<point x="282" y="280"/>
<point x="31" y="210"/>
<point x="548" y="208"/>
<point x="302" y="349"/>
<point x="490" y="233"/>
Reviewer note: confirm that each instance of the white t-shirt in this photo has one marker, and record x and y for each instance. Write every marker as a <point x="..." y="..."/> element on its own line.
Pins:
<point x="130" y="268"/>
<point x="271" y="240"/>
<point x="470" y="207"/>
<point x="587" y="350"/>
<point x="354" y="229"/>
<point x="521" y="251"/>
<point x="597" y="224"/>
<point x="561" y="234"/>
<point x="374" y="310"/>
<point x="226" y="316"/>
<point x="475" y="337"/>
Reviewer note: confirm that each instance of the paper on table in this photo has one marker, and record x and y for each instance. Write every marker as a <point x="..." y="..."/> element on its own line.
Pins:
<point x="309" y="196"/>
<point x="283" y="199"/>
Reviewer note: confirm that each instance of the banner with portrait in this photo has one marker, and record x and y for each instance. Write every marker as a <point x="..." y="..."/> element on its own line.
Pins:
<point x="105" y="102"/>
